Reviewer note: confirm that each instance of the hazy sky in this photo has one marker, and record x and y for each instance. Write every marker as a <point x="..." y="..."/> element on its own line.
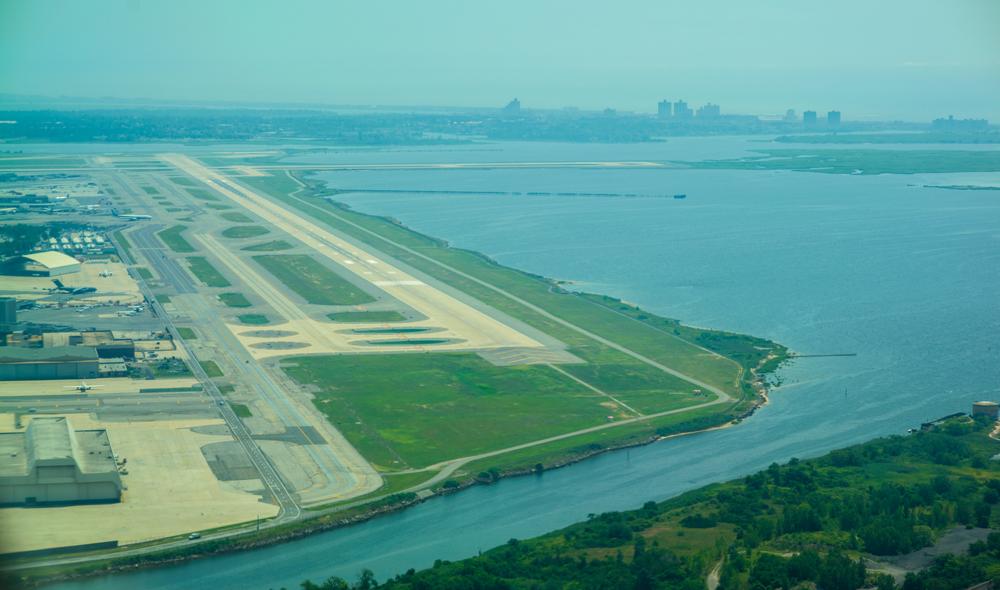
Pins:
<point x="913" y="59"/>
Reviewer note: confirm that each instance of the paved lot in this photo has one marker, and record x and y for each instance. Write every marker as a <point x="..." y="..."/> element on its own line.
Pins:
<point x="171" y="491"/>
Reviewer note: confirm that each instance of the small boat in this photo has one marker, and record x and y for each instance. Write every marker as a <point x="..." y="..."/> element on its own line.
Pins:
<point x="680" y="196"/>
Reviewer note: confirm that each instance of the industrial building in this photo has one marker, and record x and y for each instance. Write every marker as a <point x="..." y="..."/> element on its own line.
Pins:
<point x="8" y="317"/>
<point x="991" y="409"/>
<point x="43" y="264"/>
<point x="50" y="463"/>
<point x="59" y="362"/>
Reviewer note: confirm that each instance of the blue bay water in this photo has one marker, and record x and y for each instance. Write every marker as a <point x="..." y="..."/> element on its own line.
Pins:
<point x="904" y="276"/>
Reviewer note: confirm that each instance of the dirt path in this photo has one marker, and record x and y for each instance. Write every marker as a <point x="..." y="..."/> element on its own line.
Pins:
<point x="712" y="580"/>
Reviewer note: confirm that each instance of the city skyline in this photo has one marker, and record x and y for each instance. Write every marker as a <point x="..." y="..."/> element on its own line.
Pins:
<point x="914" y="60"/>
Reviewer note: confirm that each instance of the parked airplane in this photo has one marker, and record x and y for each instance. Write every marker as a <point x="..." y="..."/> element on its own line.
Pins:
<point x="82" y="386"/>
<point x="61" y="288"/>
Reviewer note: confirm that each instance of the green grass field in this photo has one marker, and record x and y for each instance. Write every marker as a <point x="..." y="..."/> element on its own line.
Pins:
<point x="356" y="317"/>
<point x="211" y="368"/>
<point x="144" y="273"/>
<point x="234" y="299"/>
<point x="272" y="246"/>
<point x="187" y="333"/>
<point x="162" y="298"/>
<point x="245" y="231"/>
<point x="240" y="410"/>
<point x="174" y="240"/>
<point x="203" y="194"/>
<point x="125" y="245"/>
<point x="862" y="161"/>
<point x="253" y="319"/>
<point x="183" y="181"/>
<point x="150" y="190"/>
<point x="206" y="273"/>
<point x="312" y="281"/>
<point x="416" y="410"/>
<point x="236" y="217"/>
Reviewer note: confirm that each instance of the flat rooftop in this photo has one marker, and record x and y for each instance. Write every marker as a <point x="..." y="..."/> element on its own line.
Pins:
<point x="53" y="439"/>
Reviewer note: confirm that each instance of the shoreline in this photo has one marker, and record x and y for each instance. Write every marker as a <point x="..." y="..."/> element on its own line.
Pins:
<point x="307" y="526"/>
<point x="243" y="538"/>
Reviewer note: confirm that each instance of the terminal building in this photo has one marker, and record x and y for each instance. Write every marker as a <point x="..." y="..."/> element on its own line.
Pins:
<point x="50" y="463"/>
<point x="43" y="264"/>
<point x="58" y="362"/>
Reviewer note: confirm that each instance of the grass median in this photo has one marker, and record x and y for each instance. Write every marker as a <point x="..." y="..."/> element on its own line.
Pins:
<point x="312" y="281"/>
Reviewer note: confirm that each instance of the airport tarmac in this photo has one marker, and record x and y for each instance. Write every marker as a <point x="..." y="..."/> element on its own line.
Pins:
<point x="170" y="490"/>
<point x="111" y="279"/>
<point x="106" y="386"/>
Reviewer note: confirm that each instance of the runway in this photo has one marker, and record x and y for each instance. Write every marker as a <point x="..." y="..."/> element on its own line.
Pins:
<point x="464" y="326"/>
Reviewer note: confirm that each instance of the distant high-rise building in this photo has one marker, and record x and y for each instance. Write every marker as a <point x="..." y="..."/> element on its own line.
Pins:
<point x="610" y="112"/>
<point x="709" y="110"/>
<point x="663" y="109"/>
<point x="681" y="110"/>
<point x="833" y="118"/>
<point x="513" y="107"/>
<point x="809" y="118"/>
<point x="791" y="116"/>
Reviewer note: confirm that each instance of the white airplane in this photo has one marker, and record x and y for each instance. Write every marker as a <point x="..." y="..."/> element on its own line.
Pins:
<point x="82" y="386"/>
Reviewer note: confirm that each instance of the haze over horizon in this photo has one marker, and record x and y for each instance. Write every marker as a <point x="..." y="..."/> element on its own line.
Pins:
<point x="914" y="59"/>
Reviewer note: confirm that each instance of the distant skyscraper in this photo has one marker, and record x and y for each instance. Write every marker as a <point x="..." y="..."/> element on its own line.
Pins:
<point x="681" y="110"/>
<point x="709" y="110"/>
<point x="809" y="118"/>
<point x="790" y="116"/>
<point x="513" y="107"/>
<point x="663" y="109"/>
<point x="833" y="118"/>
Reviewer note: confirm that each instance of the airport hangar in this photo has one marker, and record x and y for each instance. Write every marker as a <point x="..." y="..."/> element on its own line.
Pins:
<point x="50" y="463"/>
<point x="57" y="362"/>
<point x="43" y="264"/>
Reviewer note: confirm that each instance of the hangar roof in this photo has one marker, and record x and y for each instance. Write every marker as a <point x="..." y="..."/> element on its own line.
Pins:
<point x="14" y="354"/>
<point x="52" y="259"/>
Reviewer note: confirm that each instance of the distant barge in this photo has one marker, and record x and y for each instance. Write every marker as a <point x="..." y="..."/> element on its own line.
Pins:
<point x="680" y="196"/>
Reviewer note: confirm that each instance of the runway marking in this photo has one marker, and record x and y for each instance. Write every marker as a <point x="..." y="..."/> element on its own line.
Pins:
<point x="397" y="283"/>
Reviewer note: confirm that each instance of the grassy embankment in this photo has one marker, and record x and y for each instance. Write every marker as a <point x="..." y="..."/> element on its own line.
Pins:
<point x="801" y="525"/>
<point x="313" y="282"/>
<point x="245" y="231"/>
<point x="174" y="240"/>
<point x="860" y="161"/>
<point x="206" y="273"/>
<point x="468" y="394"/>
